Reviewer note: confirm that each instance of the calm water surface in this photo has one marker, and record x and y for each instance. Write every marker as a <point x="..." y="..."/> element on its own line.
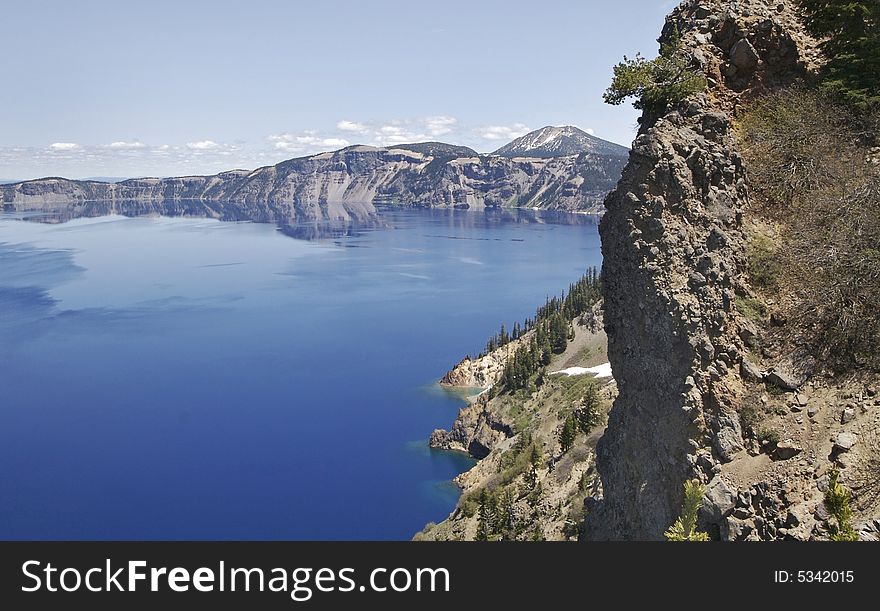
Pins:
<point x="192" y="379"/>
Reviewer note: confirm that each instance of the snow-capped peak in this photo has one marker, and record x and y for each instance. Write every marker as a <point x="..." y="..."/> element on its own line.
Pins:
<point x="552" y="141"/>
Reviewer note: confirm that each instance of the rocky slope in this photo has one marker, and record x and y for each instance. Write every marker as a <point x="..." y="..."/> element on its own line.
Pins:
<point x="689" y="365"/>
<point x="563" y="141"/>
<point x="502" y="430"/>
<point x="343" y="185"/>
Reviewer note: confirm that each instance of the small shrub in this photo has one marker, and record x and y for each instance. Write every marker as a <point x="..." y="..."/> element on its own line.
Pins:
<point x="685" y="527"/>
<point x="837" y="502"/>
<point x="750" y="415"/>
<point x="751" y="308"/>
<point x="768" y="436"/>
<point x="763" y="262"/>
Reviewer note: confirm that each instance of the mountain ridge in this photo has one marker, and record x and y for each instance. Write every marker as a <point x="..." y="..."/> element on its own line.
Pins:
<point x="346" y="184"/>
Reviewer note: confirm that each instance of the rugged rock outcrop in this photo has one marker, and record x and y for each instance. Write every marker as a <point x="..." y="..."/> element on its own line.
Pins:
<point x="484" y="371"/>
<point x="476" y="430"/>
<point x="343" y="185"/>
<point x="673" y="246"/>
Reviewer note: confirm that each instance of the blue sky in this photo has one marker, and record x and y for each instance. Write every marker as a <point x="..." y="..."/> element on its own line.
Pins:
<point x="98" y="88"/>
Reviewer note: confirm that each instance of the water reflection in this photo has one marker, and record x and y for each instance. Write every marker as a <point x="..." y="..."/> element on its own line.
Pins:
<point x="384" y="218"/>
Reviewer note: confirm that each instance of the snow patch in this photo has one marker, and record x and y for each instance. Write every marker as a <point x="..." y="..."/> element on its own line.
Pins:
<point x="599" y="371"/>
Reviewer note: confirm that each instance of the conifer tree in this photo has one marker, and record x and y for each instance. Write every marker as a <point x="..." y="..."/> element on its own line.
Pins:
<point x="567" y="434"/>
<point x="851" y="33"/>
<point x="484" y="520"/>
<point x="587" y="415"/>
<point x="655" y="84"/>
<point x="837" y="502"/>
<point x="685" y="527"/>
<point x="534" y="464"/>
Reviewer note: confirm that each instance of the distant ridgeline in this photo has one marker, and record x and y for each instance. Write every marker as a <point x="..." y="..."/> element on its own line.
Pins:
<point x="548" y="332"/>
<point x="551" y="169"/>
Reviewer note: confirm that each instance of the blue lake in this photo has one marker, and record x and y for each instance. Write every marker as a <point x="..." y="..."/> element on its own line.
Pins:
<point x="194" y="379"/>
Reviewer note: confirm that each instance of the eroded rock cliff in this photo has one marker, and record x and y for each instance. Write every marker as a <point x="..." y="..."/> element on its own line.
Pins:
<point x="674" y="262"/>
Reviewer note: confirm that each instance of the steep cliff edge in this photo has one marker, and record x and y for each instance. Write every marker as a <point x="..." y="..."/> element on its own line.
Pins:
<point x="674" y="264"/>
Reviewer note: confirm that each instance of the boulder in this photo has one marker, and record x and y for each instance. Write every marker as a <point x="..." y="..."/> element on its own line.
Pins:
<point x="787" y="449"/>
<point x="750" y="372"/>
<point x="736" y="529"/>
<point x="744" y="56"/>
<point x="848" y="415"/>
<point x="786" y="376"/>
<point x="728" y="438"/>
<point x="844" y="442"/>
<point x="718" y="501"/>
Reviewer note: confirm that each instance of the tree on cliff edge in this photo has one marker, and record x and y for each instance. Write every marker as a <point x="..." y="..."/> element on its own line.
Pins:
<point x="851" y="30"/>
<point x="658" y="83"/>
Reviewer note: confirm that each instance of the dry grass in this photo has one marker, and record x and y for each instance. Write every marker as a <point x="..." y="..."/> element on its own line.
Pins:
<point x="808" y="166"/>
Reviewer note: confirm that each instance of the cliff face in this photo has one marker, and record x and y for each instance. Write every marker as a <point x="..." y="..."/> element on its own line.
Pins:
<point x="341" y="186"/>
<point x="674" y="262"/>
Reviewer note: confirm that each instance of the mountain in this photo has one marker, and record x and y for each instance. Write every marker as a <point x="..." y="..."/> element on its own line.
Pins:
<point x="106" y="178"/>
<point x="559" y="142"/>
<point x="439" y="149"/>
<point x="341" y="185"/>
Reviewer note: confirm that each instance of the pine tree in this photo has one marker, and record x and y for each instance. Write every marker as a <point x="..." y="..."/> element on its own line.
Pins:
<point x="851" y="33"/>
<point x="837" y="501"/>
<point x="534" y="464"/>
<point x="587" y="414"/>
<point x="558" y="334"/>
<point x="658" y="83"/>
<point x="505" y="519"/>
<point x="567" y="434"/>
<point x="484" y="521"/>
<point x="685" y="527"/>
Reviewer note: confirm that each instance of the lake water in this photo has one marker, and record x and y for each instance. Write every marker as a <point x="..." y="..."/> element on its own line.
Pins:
<point x="193" y="379"/>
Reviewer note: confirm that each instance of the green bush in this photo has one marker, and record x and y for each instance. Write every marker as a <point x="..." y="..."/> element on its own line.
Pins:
<point x="763" y="262"/>
<point x="751" y="308"/>
<point x="769" y="436"/>
<point x="750" y="416"/>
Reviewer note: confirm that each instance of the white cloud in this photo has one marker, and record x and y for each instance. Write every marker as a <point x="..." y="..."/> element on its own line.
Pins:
<point x="64" y="146"/>
<point x="502" y="132"/>
<point x="391" y="130"/>
<point x="440" y="125"/>
<point x="308" y="141"/>
<point x="121" y="145"/>
<point x="340" y="142"/>
<point x="204" y="145"/>
<point x="351" y="126"/>
<point x="590" y="131"/>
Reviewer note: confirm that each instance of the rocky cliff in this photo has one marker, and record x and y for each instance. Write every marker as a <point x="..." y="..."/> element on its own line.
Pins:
<point x="675" y="270"/>
<point x="344" y="185"/>
<point x="537" y="487"/>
